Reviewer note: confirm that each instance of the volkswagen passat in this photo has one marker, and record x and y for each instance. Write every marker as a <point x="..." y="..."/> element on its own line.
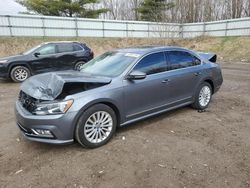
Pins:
<point x="115" y="89"/>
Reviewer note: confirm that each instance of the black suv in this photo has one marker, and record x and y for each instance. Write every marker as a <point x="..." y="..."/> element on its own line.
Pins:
<point x="47" y="57"/>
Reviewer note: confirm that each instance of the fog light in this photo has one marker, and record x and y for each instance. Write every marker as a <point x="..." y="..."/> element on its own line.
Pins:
<point x="43" y="132"/>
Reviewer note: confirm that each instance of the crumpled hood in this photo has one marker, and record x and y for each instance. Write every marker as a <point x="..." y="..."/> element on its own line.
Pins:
<point x="48" y="86"/>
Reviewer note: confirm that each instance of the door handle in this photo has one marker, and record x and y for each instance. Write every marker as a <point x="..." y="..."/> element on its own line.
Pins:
<point x="165" y="81"/>
<point x="197" y="73"/>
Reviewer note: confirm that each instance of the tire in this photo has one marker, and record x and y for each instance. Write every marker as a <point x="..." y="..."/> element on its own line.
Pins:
<point x="85" y="128"/>
<point x="19" y="73"/>
<point x="78" y="65"/>
<point x="202" y="100"/>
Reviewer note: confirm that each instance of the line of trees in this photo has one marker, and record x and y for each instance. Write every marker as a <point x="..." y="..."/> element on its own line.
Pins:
<point x="178" y="11"/>
<point x="68" y="8"/>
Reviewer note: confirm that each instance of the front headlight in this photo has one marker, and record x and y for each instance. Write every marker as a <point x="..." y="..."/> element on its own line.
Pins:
<point x="4" y="61"/>
<point x="52" y="108"/>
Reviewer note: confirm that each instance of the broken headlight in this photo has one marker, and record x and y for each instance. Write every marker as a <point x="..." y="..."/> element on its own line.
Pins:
<point x="52" y="108"/>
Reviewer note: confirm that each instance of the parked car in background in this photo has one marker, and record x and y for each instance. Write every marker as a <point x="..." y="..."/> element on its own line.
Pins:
<point x="46" y="57"/>
<point x="115" y="89"/>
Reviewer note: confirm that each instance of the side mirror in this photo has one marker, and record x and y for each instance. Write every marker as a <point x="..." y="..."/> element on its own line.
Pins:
<point x="37" y="54"/>
<point x="136" y="75"/>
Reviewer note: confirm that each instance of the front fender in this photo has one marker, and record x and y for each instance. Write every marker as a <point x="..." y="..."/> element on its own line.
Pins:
<point x="21" y="63"/>
<point x="107" y="101"/>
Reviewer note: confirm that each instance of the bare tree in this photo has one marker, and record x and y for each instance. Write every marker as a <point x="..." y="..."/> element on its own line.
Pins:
<point x="184" y="11"/>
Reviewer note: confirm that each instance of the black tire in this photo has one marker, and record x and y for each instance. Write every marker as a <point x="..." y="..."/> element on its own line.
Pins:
<point x="78" y="65"/>
<point x="80" y="127"/>
<point x="197" y="103"/>
<point x="14" y="73"/>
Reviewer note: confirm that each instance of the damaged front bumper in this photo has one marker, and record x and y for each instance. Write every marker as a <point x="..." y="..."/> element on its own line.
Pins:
<point x="60" y="126"/>
<point x="54" y="124"/>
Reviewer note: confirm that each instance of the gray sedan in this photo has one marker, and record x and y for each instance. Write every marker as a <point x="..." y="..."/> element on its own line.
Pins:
<point x="115" y="89"/>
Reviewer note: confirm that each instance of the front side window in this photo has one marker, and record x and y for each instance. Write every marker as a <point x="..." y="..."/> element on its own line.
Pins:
<point x="47" y="50"/>
<point x="153" y="63"/>
<point x="62" y="48"/>
<point x="179" y="59"/>
<point x="31" y="50"/>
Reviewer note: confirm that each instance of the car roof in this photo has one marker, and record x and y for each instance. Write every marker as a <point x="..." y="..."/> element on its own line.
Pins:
<point x="148" y="48"/>
<point x="61" y="42"/>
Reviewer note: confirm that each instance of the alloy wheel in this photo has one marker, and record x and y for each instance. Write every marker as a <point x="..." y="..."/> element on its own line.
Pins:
<point x="21" y="74"/>
<point x="98" y="127"/>
<point x="204" y="96"/>
<point x="79" y="66"/>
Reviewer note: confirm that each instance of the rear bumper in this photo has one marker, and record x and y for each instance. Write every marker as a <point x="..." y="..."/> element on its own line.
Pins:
<point x="60" y="126"/>
<point x="217" y="84"/>
<point x="216" y="89"/>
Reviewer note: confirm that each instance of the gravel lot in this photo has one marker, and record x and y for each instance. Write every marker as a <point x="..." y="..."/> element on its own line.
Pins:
<point x="182" y="148"/>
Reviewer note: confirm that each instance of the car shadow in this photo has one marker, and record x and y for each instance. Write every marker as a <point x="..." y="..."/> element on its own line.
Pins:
<point x="133" y="126"/>
<point x="6" y="81"/>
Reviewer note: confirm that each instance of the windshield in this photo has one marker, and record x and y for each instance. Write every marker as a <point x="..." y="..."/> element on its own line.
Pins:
<point x="109" y="64"/>
<point x="31" y="50"/>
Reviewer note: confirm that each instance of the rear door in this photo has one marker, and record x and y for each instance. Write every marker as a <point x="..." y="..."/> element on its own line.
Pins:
<point x="184" y="73"/>
<point x="68" y="55"/>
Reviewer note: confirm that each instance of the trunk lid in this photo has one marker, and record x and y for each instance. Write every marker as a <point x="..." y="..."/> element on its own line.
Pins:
<point x="212" y="57"/>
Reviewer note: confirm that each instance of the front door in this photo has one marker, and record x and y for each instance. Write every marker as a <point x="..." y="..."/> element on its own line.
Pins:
<point x="148" y="95"/>
<point x="44" y="59"/>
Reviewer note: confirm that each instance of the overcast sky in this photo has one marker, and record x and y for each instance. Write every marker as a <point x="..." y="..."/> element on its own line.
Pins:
<point x="10" y="7"/>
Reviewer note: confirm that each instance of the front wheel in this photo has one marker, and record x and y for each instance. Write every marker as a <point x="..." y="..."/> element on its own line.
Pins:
<point x="19" y="73"/>
<point x="96" y="126"/>
<point x="203" y="96"/>
<point x="78" y="65"/>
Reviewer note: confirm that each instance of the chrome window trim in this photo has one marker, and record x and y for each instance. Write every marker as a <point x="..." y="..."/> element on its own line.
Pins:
<point x="41" y="48"/>
<point x="164" y="51"/>
<point x="188" y="66"/>
<point x="143" y="56"/>
<point x="82" y="50"/>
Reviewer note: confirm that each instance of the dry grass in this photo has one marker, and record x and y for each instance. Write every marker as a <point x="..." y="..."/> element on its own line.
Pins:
<point x="227" y="48"/>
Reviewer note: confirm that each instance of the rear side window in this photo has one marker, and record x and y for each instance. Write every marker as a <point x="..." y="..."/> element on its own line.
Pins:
<point x="153" y="63"/>
<point x="85" y="47"/>
<point x="77" y="47"/>
<point x="62" y="48"/>
<point x="178" y="59"/>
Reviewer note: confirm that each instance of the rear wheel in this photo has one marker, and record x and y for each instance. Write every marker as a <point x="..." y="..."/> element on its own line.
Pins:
<point x="78" y="65"/>
<point x="203" y="96"/>
<point x="19" y="73"/>
<point x="96" y="126"/>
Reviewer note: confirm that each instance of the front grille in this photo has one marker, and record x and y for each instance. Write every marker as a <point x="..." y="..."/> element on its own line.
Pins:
<point x="28" y="102"/>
